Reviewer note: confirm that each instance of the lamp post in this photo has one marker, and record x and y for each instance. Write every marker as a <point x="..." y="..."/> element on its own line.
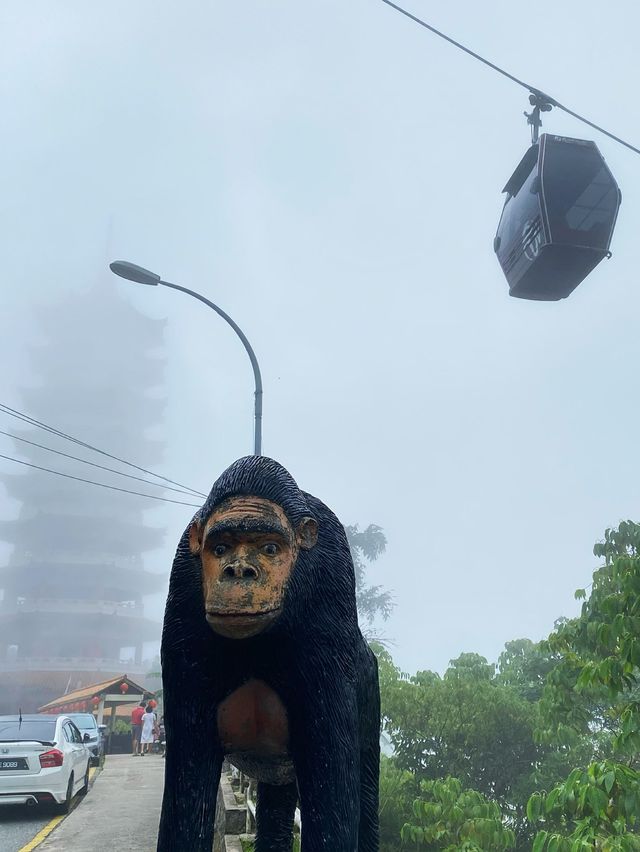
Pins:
<point x="143" y="276"/>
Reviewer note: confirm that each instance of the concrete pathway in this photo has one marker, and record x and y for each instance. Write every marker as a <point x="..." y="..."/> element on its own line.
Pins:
<point x="120" y="813"/>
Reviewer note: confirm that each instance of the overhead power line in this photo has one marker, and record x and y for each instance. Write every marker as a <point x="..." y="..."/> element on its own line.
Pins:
<point x="93" y="464"/>
<point x="533" y="89"/>
<point x="20" y="415"/>
<point x="99" y="484"/>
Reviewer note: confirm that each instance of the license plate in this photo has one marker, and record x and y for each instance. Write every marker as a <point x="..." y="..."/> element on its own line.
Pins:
<point x="13" y="763"/>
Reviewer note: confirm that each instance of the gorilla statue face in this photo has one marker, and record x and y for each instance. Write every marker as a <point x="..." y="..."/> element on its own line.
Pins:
<point x="248" y="549"/>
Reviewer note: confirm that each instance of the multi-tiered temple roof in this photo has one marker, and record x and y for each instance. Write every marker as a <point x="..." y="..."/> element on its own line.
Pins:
<point x="71" y="610"/>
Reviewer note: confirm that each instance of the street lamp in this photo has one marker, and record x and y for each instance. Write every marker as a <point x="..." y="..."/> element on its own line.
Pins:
<point x="140" y="275"/>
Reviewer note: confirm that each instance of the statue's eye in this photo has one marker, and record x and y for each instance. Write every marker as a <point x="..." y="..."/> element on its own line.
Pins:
<point x="220" y="549"/>
<point x="270" y="549"/>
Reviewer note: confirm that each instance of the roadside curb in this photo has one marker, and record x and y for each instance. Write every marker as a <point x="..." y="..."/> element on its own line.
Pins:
<point x="42" y="834"/>
<point x="94" y="772"/>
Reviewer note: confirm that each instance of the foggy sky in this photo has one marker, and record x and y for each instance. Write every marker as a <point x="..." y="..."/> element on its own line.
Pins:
<point x="330" y="174"/>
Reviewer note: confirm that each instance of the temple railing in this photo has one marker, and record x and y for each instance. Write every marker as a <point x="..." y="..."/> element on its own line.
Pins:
<point x="76" y="607"/>
<point x="75" y="664"/>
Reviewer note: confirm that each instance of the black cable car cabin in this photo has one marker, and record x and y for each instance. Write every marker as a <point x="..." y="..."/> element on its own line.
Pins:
<point x="558" y="219"/>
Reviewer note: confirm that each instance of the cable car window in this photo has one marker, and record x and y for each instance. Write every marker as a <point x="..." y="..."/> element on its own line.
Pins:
<point x="580" y="194"/>
<point x="520" y="210"/>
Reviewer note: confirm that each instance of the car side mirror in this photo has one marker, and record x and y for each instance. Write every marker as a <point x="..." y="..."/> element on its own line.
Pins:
<point x="86" y="738"/>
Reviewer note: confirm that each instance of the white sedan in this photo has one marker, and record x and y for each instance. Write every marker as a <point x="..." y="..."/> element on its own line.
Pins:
<point x="43" y="760"/>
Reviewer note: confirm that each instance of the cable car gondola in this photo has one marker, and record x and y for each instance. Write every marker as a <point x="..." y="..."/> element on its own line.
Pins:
<point x="558" y="218"/>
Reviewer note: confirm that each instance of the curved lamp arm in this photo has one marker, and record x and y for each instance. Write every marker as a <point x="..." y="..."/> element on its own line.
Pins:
<point x="257" y="444"/>
<point x="133" y="272"/>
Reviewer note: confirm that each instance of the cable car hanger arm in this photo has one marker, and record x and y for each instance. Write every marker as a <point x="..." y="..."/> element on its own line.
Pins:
<point x="537" y="93"/>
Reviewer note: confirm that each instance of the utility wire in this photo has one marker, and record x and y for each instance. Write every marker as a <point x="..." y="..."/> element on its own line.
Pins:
<point x="12" y="412"/>
<point x="93" y="464"/>
<point x="534" y="91"/>
<point x="99" y="484"/>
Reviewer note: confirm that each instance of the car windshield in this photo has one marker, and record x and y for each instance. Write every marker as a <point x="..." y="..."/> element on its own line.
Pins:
<point x="38" y="730"/>
<point x="84" y="721"/>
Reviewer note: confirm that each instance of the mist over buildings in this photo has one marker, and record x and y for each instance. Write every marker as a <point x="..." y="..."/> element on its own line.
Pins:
<point x="331" y="177"/>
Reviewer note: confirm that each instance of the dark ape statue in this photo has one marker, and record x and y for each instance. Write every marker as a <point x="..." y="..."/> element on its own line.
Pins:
<point x="263" y="662"/>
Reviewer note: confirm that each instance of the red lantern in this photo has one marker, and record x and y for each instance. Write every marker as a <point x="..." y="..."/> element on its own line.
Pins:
<point x="153" y="703"/>
<point x="124" y="688"/>
<point x="95" y="701"/>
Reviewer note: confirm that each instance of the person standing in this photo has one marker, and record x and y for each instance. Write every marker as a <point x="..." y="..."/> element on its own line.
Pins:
<point x="148" y="730"/>
<point x="136" y="728"/>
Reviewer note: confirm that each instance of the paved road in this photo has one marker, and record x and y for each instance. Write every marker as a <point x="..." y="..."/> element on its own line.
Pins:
<point x="19" y="824"/>
<point x="122" y="809"/>
<point x="121" y="812"/>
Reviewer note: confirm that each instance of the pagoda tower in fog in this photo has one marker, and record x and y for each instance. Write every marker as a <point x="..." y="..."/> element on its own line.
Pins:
<point x="71" y="595"/>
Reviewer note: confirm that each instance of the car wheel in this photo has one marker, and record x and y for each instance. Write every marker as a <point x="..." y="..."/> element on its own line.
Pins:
<point x="65" y="806"/>
<point x="85" y="787"/>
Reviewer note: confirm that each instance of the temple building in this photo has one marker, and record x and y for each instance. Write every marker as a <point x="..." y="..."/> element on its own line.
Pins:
<point x="71" y="594"/>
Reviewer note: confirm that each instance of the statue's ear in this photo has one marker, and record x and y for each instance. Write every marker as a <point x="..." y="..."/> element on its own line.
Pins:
<point x="195" y="537"/>
<point x="307" y="533"/>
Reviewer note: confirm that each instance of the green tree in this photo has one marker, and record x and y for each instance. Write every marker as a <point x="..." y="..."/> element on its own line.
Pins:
<point x="448" y="817"/>
<point x="594" y="686"/>
<point x="463" y="724"/>
<point x="592" y="694"/>
<point x="398" y="790"/>
<point x="524" y="666"/>
<point x="470" y="667"/>
<point x="372" y="601"/>
<point x="596" y="808"/>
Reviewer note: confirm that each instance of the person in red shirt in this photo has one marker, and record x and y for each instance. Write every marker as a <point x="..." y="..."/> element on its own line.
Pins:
<point x="136" y="728"/>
